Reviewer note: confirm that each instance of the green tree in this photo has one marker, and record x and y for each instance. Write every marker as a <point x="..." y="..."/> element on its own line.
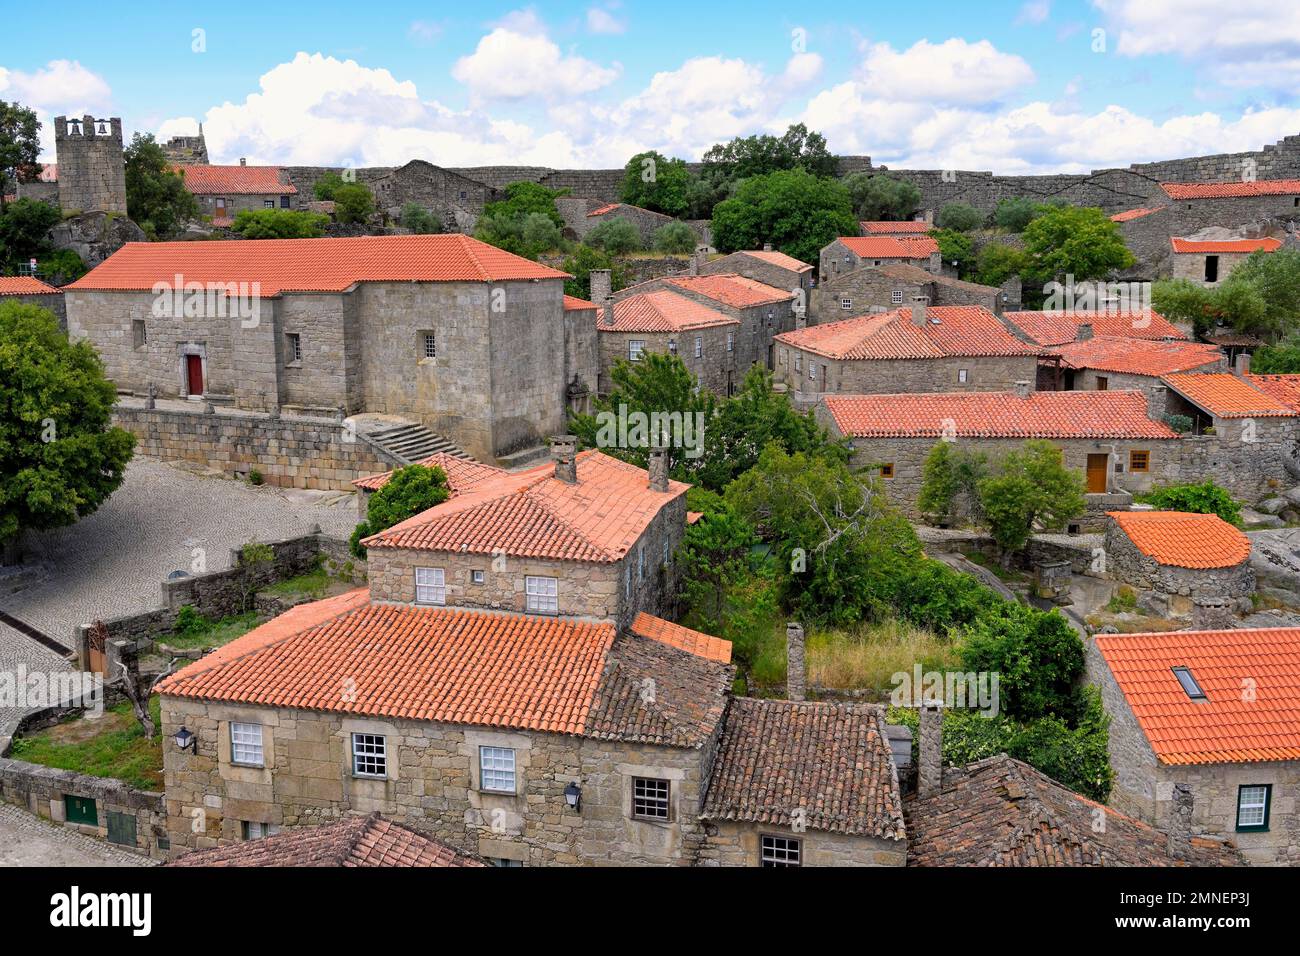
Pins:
<point x="876" y="197"/>
<point x="60" y="456"/>
<point x="526" y="222"/>
<point x="1275" y="278"/>
<point x="279" y="224"/>
<point x="24" y="231"/>
<point x="1037" y="654"/>
<point x="325" y="187"/>
<point x="950" y="481"/>
<point x="959" y="217"/>
<point x="653" y="181"/>
<point x="996" y="262"/>
<point x="579" y="264"/>
<point x="617" y="236"/>
<point x="1030" y="488"/>
<point x="20" y="146"/>
<point x="1014" y="215"/>
<point x="409" y="491"/>
<point x="1280" y="359"/>
<point x="714" y="557"/>
<point x="1237" y="305"/>
<point x="675" y="238"/>
<point x="956" y="248"/>
<point x="156" y="198"/>
<point x="1078" y="241"/>
<point x="794" y="210"/>
<point x="353" y="202"/>
<point x="749" y="156"/>
<point x="419" y="220"/>
<point x="1204" y="498"/>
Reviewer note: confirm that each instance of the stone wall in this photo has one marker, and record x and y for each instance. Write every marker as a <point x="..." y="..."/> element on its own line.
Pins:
<point x="92" y="170"/>
<point x="717" y="368"/>
<point x="51" y="302"/>
<point x="868" y="290"/>
<point x="1180" y="586"/>
<point x="1191" y="266"/>
<point x="738" y="844"/>
<point x="997" y="373"/>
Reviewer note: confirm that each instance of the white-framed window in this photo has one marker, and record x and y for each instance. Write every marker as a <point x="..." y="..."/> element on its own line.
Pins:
<point x="246" y="745"/>
<point x="846" y="304"/>
<point x="650" y="798"/>
<point x="634" y="349"/>
<point x="962" y="375"/>
<point x="293" y="346"/>
<point x="699" y="345"/>
<point x="542" y="594"/>
<point x="496" y="769"/>
<point x="812" y="371"/>
<point x="798" y="361"/>
<point x="430" y="586"/>
<point x="896" y="296"/>
<point x="731" y="341"/>
<point x="252" y="830"/>
<point x="1252" y="806"/>
<point x="428" y="345"/>
<point x="780" y="851"/>
<point x="476" y="577"/>
<point x="369" y="755"/>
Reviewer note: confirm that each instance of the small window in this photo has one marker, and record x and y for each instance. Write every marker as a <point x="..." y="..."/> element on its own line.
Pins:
<point x="428" y="345"/>
<point x="887" y="470"/>
<point x="896" y="296"/>
<point x="846" y="304"/>
<point x="496" y="769"/>
<point x="1211" y="268"/>
<point x="963" y="376"/>
<point x="780" y="851"/>
<point x="812" y="371"/>
<point x="634" y="349"/>
<point x="246" y="744"/>
<point x="649" y="798"/>
<point x="780" y="357"/>
<point x="252" y="830"/>
<point x="731" y="341"/>
<point x="293" y="346"/>
<point x="476" y="577"/>
<point x="430" y="586"/>
<point x="666" y="553"/>
<point x="369" y="755"/>
<point x="699" y="346"/>
<point x="268" y="203"/>
<point x="1252" y="806"/>
<point x="672" y="346"/>
<point x="640" y="561"/>
<point x="542" y="595"/>
<point x="1103" y="383"/>
<point x="627" y="580"/>
<point x="1139" y="461"/>
<point x="1190" y="686"/>
<point x="501" y="861"/>
<point x="139" y="333"/>
<point x="798" y="361"/>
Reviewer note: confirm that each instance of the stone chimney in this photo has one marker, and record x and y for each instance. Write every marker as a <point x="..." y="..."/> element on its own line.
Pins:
<point x="936" y="263"/>
<point x="929" y="777"/>
<point x="694" y="268"/>
<point x="1157" y="402"/>
<point x="1241" y="366"/>
<point x="1084" y="333"/>
<point x="929" y="217"/>
<point x="601" y="286"/>
<point x="796" y="682"/>
<point x="767" y="247"/>
<point x="1211" y="613"/>
<point x="564" y="452"/>
<point x="243" y="161"/>
<point x="1022" y="389"/>
<point x="658" y="468"/>
<point x="920" y="305"/>
<point x="1179" y="828"/>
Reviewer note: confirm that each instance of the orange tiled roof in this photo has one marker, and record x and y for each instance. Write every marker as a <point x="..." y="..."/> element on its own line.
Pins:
<point x="890" y="247"/>
<point x="26" y="285"/>
<point x="774" y="258"/>
<point x="734" y="290"/>
<point x="601" y="210"/>
<point x="1130" y="214"/>
<point x="573" y="303"/>
<point x="1057" y="328"/>
<point x="463" y="474"/>
<point x="949" y="330"/>
<point x="1261" y="187"/>
<point x="1225" y="245"/>
<point x="1113" y="414"/>
<point x="534" y="514"/>
<point x="1184" y="540"/>
<point x="1113" y="353"/>
<point x="1228" y="396"/>
<point x="683" y="638"/>
<point x="662" y="311"/>
<point x="235" y="180"/>
<point x="882" y="228"/>
<point x="311" y="265"/>
<point x="1229" y="725"/>
<point x="1283" y="388"/>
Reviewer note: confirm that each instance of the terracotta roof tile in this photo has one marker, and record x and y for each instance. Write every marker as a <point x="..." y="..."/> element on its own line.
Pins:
<point x="360" y="841"/>
<point x="1225" y="245"/>
<point x="1229" y="725"/>
<point x="1260" y="187"/>
<point x="601" y="210"/>
<point x="311" y="265"/>
<point x="662" y="311"/>
<point x="1283" y="388"/>
<point x="1113" y="353"/>
<point x="830" y="762"/>
<point x="205" y="180"/>
<point x="1058" y="328"/>
<point x="1130" y="214"/>
<point x="890" y="247"/>
<point x="1183" y="539"/>
<point x="949" y="330"/>
<point x="882" y="228"/>
<point x="682" y="638"/>
<point x="774" y="258"/>
<point x="463" y="474"/>
<point x="573" y="303"/>
<point x="734" y="290"/>
<point x="26" y="285"/>
<point x="1110" y="414"/>
<point x="1002" y="812"/>
<point x="1229" y="396"/>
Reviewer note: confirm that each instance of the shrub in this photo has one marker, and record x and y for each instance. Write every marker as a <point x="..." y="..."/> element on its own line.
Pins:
<point x="617" y="236"/>
<point x="960" y="217"/>
<point x="255" y="477"/>
<point x="353" y="203"/>
<point x="409" y="491"/>
<point x="675" y="238"/>
<point x="1014" y="215"/>
<point x="1205" y="498"/>
<point x="1179" y="423"/>
<point x="419" y="220"/>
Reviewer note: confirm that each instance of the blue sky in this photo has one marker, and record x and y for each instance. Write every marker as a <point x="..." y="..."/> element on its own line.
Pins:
<point x="1017" y="86"/>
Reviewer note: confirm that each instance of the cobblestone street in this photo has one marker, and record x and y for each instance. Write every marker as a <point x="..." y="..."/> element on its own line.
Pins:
<point x="27" y="840"/>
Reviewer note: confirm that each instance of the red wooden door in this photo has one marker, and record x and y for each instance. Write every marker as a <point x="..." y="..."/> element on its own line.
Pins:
<point x="194" y="375"/>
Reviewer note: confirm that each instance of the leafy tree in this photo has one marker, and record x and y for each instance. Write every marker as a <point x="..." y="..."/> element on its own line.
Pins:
<point x="950" y="481"/>
<point x="1280" y="359"/>
<point x="327" y="185"/>
<point x="20" y="146"/>
<point x="956" y="248"/>
<point x="1205" y="498"/>
<point x="60" y="456"/>
<point x="1037" y="654"/>
<point x="408" y="492"/>
<point x="653" y="181"/>
<point x="62" y="266"/>
<point x="24" y="228"/>
<point x="934" y="596"/>
<point x="879" y="197"/>
<point x="419" y="220"/>
<point x="1078" y="241"/>
<point x="279" y="224"/>
<point x="1237" y="305"/>
<point x="1030" y="488"/>
<point x="794" y="210"/>
<point x="353" y="202"/>
<point x="156" y="198"/>
<point x="617" y="236"/>
<point x="526" y="222"/>
<point x="996" y="262"/>
<point x="715" y="556"/>
<point x="675" y="238"/>
<point x="959" y="217"/>
<point x="1275" y="278"/>
<point x="797" y="148"/>
<point x="1014" y="215"/>
<point x="579" y="264"/>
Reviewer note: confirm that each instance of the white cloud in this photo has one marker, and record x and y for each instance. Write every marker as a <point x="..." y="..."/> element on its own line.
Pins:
<point x="600" y="20"/>
<point x="60" y="88"/>
<point x="951" y="72"/>
<point x="517" y="60"/>
<point x="1035" y="11"/>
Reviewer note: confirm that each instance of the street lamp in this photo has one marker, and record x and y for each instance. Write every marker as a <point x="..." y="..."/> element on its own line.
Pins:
<point x="573" y="796"/>
<point x="187" y="741"/>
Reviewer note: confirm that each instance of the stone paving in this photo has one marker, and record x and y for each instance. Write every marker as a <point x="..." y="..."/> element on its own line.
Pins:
<point x="27" y="840"/>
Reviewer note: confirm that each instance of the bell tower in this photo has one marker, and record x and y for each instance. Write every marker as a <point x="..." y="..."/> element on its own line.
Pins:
<point x="92" y="169"/>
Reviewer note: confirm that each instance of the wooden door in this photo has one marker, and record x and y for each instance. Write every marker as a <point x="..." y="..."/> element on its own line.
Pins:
<point x="1103" y="383"/>
<point x="1097" y="466"/>
<point x="194" y="375"/>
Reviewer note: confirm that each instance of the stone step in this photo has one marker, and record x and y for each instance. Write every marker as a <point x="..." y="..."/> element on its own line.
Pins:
<point x="410" y="442"/>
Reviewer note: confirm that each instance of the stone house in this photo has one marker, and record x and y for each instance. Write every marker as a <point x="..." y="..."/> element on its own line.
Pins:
<point x="1252" y="409"/>
<point x="582" y="214"/>
<point x="921" y="349"/>
<point x="1180" y="557"/>
<point x="1065" y="327"/>
<point x="765" y="265"/>
<point x="1102" y="362"/>
<point x="887" y="287"/>
<point x="30" y="290"/>
<point x="899" y="230"/>
<point x="672" y="324"/>
<point x="223" y="192"/>
<point x="444" y="330"/>
<point x="581" y="353"/>
<point x="852" y="252"/>
<point x="1146" y="231"/>
<point x="44" y="188"/>
<point x="1208" y="262"/>
<point x="456" y="200"/>
<point x="1204" y="729"/>
<point x="1194" y="206"/>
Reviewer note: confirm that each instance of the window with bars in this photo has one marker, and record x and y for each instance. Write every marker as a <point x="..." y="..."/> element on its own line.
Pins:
<point x="846" y="303"/>
<point x="649" y="798"/>
<point x="430" y="586"/>
<point x="699" y="346"/>
<point x="369" y="755"/>
<point x="634" y="349"/>
<point x="1253" y="805"/>
<point x="496" y="769"/>
<point x="246" y="744"/>
<point x="268" y="203"/>
<point x="542" y="594"/>
<point x="731" y="341"/>
<point x="428" y="345"/>
<point x="896" y="296"/>
<point x="293" y="346"/>
<point x="780" y="851"/>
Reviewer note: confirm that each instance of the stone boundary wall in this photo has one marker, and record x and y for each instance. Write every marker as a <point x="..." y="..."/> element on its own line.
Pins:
<point x="297" y="452"/>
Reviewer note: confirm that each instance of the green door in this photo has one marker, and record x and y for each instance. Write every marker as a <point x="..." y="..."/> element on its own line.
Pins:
<point x="80" y="810"/>
<point x="121" y="828"/>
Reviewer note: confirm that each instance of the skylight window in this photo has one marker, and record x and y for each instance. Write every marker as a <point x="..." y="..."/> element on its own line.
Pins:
<point x="1193" y="689"/>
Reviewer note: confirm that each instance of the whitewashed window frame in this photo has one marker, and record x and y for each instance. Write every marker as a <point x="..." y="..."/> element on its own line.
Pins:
<point x="246" y="747"/>
<point x="497" y="770"/>
<point x="635" y="349"/>
<point x="542" y="594"/>
<point x="432" y="590"/>
<point x="369" y="755"/>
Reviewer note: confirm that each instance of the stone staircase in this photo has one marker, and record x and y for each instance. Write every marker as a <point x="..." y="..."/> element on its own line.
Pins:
<point x="409" y="443"/>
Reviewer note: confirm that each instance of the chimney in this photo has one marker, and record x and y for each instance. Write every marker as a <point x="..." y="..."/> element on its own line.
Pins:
<point x="564" y="450"/>
<point x="1179" y="829"/>
<point x="929" y="779"/>
<point x="1157" y="402"/>
<point x="695" y="263"/>
<point x="658" y="468"/>
<point x="929" y="217"/>
<point x="919" y="304"/>
<point x="796" y="685"/>
<point x="936" y="263"/>
<point x="1241" y="365"/>
<point x="1084" y="332"/>
<point x="767" y="247"/>
<point x="1211" y="613"/>
<point x="243" y="161"/>
<point x="601" y="285"/>
<point x="1022" y="389"/>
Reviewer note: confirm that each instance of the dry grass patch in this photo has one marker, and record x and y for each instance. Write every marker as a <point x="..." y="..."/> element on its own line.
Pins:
<point x="866" y="658"/>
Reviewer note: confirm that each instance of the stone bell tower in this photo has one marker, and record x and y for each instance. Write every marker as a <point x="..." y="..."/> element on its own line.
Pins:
<point x="92" y="169"/>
